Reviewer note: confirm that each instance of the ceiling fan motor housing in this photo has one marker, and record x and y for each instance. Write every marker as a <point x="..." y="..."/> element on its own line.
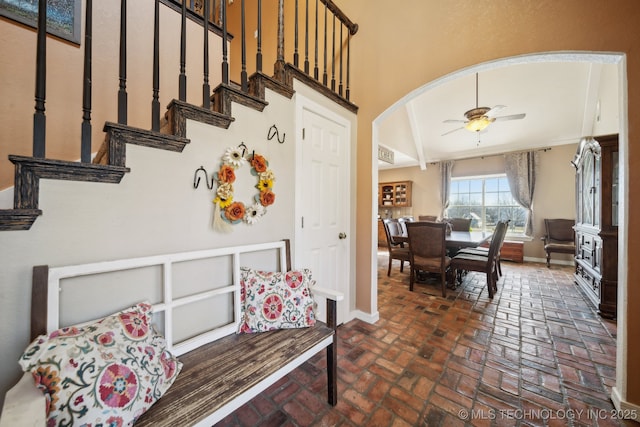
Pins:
<point x="476" y="113"/>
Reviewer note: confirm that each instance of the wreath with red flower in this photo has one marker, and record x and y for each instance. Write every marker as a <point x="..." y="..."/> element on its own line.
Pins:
<point x="235" y="212"/>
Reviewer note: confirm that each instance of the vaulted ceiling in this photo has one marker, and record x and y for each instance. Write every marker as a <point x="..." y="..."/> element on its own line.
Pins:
<point x="562" y="101"/>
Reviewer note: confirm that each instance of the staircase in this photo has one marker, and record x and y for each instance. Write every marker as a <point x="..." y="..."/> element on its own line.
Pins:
<point x="169" y="132"/>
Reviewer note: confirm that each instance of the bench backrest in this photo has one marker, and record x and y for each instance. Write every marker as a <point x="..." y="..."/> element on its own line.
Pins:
<point x="195" y="295"/>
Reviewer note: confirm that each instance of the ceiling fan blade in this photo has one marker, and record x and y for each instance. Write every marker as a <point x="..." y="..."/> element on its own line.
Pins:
<point x="492" y="112"/>
<point x="511" y="117"/>
<point x="451" y="131"/>
<point x="454" y="121"/>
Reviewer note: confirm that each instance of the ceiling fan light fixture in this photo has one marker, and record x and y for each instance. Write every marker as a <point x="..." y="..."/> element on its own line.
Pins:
<point x="478" y="124"/>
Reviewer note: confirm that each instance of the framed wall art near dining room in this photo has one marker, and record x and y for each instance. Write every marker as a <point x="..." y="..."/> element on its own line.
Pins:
<point x="63" y="16"/>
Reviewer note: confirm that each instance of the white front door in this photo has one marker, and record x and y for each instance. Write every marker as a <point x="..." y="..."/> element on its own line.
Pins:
<point x="322" y="234"/>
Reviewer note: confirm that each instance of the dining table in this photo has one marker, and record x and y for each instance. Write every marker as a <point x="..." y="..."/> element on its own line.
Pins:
<point x="455" y="241"/>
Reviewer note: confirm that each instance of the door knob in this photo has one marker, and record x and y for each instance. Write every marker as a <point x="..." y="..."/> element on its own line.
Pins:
<point x="342" y="236"/>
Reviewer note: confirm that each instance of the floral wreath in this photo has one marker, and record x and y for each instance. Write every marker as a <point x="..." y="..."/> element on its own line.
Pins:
<point x="234" y="212"/>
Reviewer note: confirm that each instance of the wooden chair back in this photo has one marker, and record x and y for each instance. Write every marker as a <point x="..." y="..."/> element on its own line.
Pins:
<point x="430" y="250"/>
<point x="396" y="250"/>
<point x="403" y="224"/>
<point x="391" y="229"/>
<point x="460" y="224"/>
<point x="559" y="230"/>
<point x="559" y="237"/>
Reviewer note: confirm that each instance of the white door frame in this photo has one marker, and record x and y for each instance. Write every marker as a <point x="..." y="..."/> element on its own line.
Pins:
<point x="303" y="104"/>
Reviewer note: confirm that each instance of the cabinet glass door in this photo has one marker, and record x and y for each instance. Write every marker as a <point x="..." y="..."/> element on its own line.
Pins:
<point x="597" y="188"/>
<point x="587" y="190"/>
<point x="401" y="195"/>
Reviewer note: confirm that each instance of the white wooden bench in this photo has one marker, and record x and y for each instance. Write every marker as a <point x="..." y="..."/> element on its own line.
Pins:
<point x="221" y="370"/>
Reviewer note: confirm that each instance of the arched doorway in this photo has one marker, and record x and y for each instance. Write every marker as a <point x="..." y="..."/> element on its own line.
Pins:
<point x="590" y="57"/>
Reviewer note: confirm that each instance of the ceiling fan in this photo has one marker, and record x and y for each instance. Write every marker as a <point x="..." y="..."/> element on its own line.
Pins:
<point x="480" y="117"/>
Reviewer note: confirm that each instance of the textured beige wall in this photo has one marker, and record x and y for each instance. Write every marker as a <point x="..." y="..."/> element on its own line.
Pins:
<point x="448" y="36"/>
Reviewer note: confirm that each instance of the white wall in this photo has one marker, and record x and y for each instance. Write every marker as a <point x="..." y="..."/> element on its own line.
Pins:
<point x="154" y="210"/>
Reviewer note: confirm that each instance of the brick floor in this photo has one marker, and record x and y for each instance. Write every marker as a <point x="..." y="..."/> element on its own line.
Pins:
<point x="535" y="355"/>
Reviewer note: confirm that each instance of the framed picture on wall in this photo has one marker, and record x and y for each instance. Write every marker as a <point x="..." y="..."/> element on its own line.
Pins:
<point x="63" y="16"/>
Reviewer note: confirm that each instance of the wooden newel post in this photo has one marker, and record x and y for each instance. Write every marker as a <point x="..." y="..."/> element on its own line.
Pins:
<point x="279" y="67"/>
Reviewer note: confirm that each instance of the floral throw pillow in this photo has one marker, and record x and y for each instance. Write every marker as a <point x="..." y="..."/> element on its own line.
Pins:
<point x="107" y="373"/>
<point x="270" y="301"/>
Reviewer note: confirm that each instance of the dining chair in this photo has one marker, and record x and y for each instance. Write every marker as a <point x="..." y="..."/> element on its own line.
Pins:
<point x="559" y="237"/>
<point x="460" y="224"/>
<point x="427" y="249"/>
<point x="398" y="251"/>
<point x="484" y="264"/>
<point x="403" y="224"/>
<point x="484" y="251"/>
<point x="395" y="230"/>
<point x="432" y="218"/>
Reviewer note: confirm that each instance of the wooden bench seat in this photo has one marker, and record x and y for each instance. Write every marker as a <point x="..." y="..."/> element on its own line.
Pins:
<point x="219" y="377"/>
<point x="221" y="370"/>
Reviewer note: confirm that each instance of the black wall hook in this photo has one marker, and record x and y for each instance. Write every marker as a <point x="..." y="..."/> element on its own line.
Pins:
<point x="244" y="148"/>
<point x="196" y="178"/>
<point x="273" y="131"/>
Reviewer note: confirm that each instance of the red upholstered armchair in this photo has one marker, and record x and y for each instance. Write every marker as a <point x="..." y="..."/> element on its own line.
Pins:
<point x="559" y="238"/>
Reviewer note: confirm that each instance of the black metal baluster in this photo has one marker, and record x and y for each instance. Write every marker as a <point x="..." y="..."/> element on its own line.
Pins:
<point x="225" y="63"/>
<point x="243" y="41"/>
<point x="122" y="91"/>
<point x="206" y="89"/>
<point x="155" y="102"/>
<point x="306" y="38"/>
<point x="315" y="68"/>
<point x="296" y="56"/>
<point x="333" y="56"/>
<point x="39" y="118"/>
<point x="259" y="48"/>
<point x="85" y="129"/>
<point x="182" y="80"/>
<point x="324" y="72"/>
<point x="341" y="44"/>
<point x="348" y="63"/>
<point x="279" y="66"/>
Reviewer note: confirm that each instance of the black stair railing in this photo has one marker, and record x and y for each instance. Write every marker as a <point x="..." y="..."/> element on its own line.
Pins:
<point x="39" y="118"/>
<point x="206" y="88"/>
<point x="122" y="91"/>
<point x="85" y="130"/>
<point x="338" y="60"/>
<point x="335" y="56"/>
<point x="318" y="25"/>
<point x="182" y="79"/>
<point x="155" y="101"/>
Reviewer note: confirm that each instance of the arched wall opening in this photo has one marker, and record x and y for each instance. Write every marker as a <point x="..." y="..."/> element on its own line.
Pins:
<point x="619" y="391"/>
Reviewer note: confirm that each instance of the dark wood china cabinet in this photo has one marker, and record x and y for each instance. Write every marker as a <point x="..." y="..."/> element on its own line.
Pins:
<point x="596" y="229"/>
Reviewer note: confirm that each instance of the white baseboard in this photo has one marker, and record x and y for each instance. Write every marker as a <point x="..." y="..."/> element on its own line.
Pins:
<point x="366" y="317"/>
<point x="628" y="411"/>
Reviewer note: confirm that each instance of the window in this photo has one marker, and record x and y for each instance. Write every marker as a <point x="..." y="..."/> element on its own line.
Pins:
<point x="487" y="200"/>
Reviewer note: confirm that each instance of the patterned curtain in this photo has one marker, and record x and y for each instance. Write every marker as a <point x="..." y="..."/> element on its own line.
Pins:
<point x="521" y="173"/>
<point x="445" y="182"/>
